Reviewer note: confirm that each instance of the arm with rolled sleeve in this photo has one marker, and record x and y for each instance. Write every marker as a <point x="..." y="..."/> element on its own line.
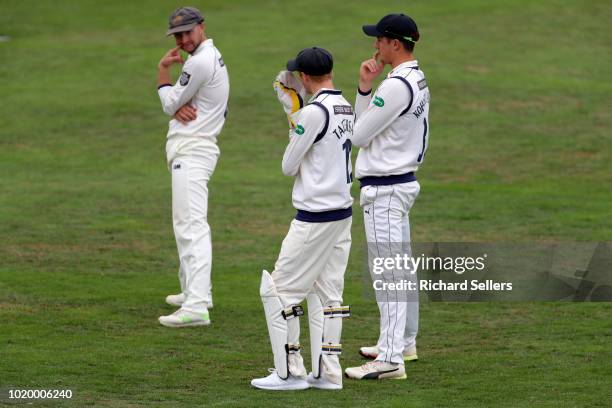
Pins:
<point x="312" y="119"/>
<point x="173" y="97"/>
<point x="372" y="119"/>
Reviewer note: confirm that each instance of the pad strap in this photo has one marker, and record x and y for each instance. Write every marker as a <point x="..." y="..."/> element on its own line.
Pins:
<point x="292" y="348"/>
<point x="340" y="311"/>
<point x="331" y="349"/>
<point x="293" y="311"/>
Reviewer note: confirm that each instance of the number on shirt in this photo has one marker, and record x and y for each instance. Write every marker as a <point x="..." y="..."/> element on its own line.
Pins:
<point x="347" y="146"/>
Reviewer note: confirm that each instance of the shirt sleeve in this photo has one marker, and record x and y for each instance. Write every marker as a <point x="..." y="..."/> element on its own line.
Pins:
<point x="362" y="101"/>
<point x="390" y="99"/>
<point x="309" y="124"/>
<point x="194" y="74"/>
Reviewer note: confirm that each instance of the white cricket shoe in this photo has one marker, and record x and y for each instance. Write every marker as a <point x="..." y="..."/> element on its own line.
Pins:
<point x="176" y="300"/>
<point x="275" y="383"/>
<point x="372" y="352"/>
<point x="321" y="383"/>
<point x="377" y="370"/>
<point x="184" y="318"/>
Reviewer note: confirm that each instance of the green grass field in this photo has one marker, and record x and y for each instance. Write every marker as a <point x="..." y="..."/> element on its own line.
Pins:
<point x="519" y="152"/>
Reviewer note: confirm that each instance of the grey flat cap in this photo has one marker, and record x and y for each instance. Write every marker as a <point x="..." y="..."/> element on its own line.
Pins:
<point x="184" y="19"/>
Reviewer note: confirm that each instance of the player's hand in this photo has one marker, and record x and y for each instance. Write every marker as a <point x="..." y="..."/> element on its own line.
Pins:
<point x="173" y="56"/>
<point x="290" y="92"/>
<point x="185" y="114"/>
<point x="368" y="71"/>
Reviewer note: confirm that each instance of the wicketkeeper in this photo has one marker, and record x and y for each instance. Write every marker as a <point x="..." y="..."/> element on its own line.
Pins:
<point x="315" y="252"/>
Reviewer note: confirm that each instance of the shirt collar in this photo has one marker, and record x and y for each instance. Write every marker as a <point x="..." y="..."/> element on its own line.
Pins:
<point x="326" y="91"/>
<point x="203" y="44"/>
<point x="407" y="64"/>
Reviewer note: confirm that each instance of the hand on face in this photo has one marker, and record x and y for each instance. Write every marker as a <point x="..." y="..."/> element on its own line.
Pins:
<point x="171" y="57"/>
<point x="189" y="41"/>
<point x="369" y="70"/>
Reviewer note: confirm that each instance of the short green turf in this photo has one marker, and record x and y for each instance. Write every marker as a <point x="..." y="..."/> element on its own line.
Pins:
<point x="519" y="152"/>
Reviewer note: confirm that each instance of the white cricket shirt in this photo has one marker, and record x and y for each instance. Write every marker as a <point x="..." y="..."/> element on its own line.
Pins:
<point x="204" y="84"/>
<point x="392" y="126"/>
<point x="319" y="156"/>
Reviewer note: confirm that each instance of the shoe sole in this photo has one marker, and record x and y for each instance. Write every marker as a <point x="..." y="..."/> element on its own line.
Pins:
<point x="402" y="377"/>
<point x="413" y="357"/>
<point x="191" y="324"/>
<point x="297" y="388"/>
<point x="326" y="387"/>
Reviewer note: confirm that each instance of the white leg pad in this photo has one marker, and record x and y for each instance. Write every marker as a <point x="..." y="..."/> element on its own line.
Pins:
<point x="277" y="325"/>
<point x="325" y="331"/>
<point x="315" y="324"/>
<point x="284" y="330"/>
<point x="294" y="358"/>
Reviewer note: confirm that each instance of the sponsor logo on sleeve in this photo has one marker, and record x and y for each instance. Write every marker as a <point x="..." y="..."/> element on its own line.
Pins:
<point x="422" y="84"/>
<point x="221" y="62"/>
<point x="343" y="110"/>
<point x="184" y="80"/>
<point x="299" y="129"/>
<point x="378" y="101"/>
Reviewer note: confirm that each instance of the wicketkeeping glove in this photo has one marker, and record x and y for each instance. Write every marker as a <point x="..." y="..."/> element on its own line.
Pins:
<point x="290" y="92"/>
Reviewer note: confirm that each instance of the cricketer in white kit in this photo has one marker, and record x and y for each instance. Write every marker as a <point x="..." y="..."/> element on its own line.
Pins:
<point x="315" y="252"/>
<point x="392" y="131"/>
<point x="198" y="103"/>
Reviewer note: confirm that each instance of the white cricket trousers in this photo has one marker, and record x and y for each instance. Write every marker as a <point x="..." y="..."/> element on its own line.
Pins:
<point x="385" y="213"/>
<point x="190" y="176"/>
<point x="313" y="258"/>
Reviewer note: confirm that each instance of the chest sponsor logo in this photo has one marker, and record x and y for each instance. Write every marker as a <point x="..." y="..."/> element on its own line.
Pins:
<point x="343" y="110"/>
<point x="422" y="84"/>
<point x="184" y="80"/>
<point x="299" y="129"/>
<point x="378" y="101"/>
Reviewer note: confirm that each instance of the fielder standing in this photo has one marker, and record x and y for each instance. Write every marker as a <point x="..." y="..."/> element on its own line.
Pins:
<point x="315" y="252"/>
<point x="198" y="103"/>
<point x="392" y="131"/>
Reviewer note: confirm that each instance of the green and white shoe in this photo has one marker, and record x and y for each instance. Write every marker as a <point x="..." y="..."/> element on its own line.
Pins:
<point x="184" y="318"/>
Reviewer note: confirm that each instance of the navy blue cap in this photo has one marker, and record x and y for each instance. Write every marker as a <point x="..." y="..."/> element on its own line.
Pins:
<point x="398" y="26"/>
<point x="312" y="61"/>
